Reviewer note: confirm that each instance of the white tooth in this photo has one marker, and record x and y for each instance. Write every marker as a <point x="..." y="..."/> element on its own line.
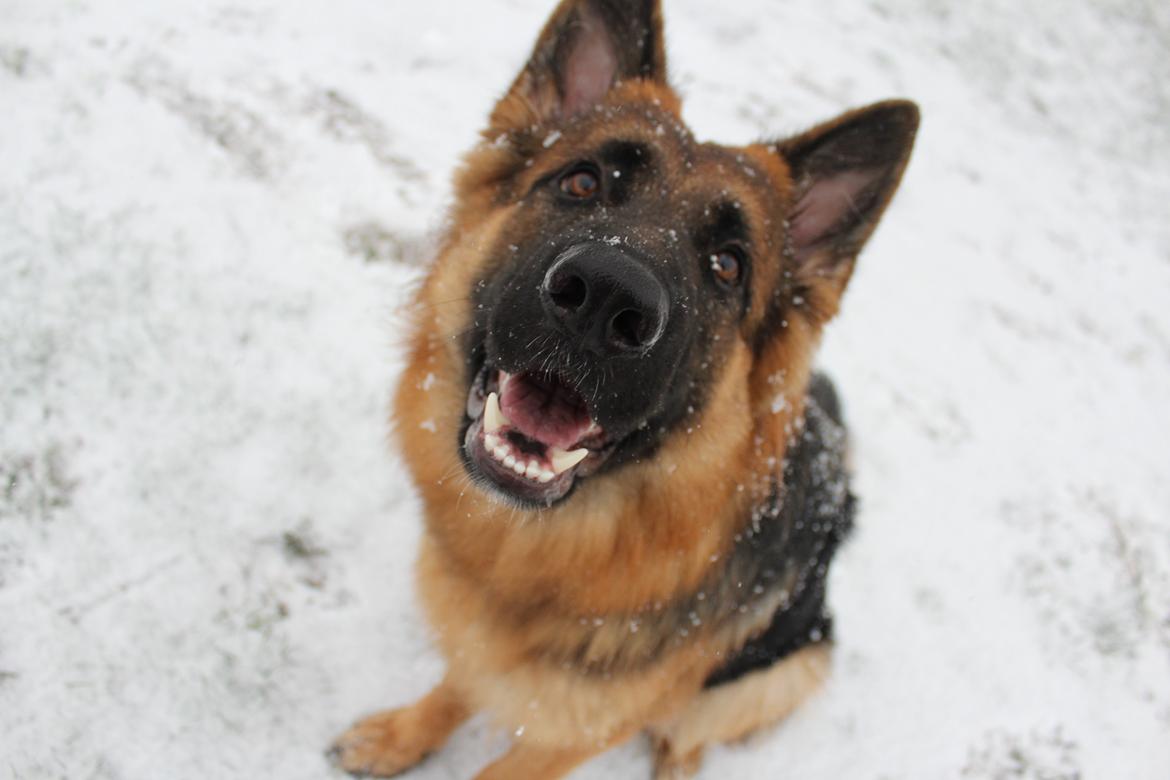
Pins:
<point x="545" y="476"/>
<point x="491" y="441"/>
<point x="500" y="452"/>
<point x="533" y="470"/>
<point x="493" y="418"/>
<point x="518" y="468"/>
<point x="563" y="461"/>
<point x="510" y="462"/>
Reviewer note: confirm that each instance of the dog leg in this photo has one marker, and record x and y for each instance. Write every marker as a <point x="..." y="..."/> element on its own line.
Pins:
<point x="390" y="742"/>
<point x="733" y="710"/>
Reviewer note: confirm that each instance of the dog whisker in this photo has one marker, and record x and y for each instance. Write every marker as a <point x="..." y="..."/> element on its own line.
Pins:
<point x="429" y="305"/>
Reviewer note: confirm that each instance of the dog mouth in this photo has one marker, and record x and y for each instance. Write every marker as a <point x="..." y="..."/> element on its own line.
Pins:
<point x="532" y="436"/>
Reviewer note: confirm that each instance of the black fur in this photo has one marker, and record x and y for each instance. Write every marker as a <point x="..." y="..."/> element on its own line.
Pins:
<point x="781" y="556"/>
<point x="807" y="522"/>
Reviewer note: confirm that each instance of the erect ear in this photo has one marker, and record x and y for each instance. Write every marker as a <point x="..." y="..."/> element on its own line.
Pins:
<point x="586" y="47"/>
<point x="844" y="173"/>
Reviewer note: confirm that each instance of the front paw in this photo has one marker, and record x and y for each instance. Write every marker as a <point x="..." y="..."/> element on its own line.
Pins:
<point x="671" y="765"/>
<point x="382" y="745"/>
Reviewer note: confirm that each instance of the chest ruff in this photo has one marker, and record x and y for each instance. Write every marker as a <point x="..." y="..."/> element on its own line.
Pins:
<point x="542" y="671"/>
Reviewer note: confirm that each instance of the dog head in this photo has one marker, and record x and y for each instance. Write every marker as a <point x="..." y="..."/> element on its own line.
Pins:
<point x="610" y="286"/>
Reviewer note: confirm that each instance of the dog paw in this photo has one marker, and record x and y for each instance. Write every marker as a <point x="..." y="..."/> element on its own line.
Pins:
<point x="381" y="745"/>
<point x="670" y="765"/>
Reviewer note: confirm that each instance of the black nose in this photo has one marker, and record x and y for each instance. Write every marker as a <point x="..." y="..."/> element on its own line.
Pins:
<point x="606" y="299"/>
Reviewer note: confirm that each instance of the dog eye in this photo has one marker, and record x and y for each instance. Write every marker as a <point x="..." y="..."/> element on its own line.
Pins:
<point x="726" y="265"/>
<point x="580" y="183"/>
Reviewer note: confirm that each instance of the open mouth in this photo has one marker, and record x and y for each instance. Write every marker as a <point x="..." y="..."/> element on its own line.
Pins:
<point x="531" y="435"/>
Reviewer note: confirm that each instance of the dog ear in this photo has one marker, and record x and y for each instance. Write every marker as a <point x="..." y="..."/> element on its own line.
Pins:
<point x="586" y="47"/>
<point x="844" y="174"/>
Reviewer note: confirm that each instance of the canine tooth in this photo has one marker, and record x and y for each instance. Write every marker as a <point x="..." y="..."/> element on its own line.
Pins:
<point x="493" y="418"/>
<point x="563" y="461"/>
<point x="533" y="470"/>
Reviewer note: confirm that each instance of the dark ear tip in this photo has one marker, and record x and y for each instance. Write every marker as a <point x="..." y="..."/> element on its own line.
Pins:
<point x="902" y="113"/>
<point x="643" y="11"/>
<point x="643" y="8"/>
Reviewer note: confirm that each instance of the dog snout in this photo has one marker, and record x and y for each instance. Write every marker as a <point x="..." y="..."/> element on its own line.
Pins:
<point x="606" y="300"/>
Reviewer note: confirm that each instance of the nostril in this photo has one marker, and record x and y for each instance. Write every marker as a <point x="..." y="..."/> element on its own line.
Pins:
<point x="567" y="291"/>
<point x="626" y="328"/>
<point x="605" y="300"/>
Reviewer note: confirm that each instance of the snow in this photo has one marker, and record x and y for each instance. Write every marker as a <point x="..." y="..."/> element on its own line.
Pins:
<point x="210" y="214"/>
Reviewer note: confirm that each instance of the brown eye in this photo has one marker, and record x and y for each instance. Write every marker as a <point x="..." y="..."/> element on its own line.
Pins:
<point x="725" y="264"/>
<point x="581" y="183"/>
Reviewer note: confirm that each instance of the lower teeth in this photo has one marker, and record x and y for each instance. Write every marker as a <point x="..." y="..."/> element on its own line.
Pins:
<point x="494" y="422"/>
<point x="500" y="451"/>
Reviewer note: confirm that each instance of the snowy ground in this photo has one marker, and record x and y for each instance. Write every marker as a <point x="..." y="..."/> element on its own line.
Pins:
<point x="209" y="213"/>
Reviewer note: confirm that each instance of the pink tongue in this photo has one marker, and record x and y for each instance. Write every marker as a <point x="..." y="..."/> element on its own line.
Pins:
<point x="547" y="413"/>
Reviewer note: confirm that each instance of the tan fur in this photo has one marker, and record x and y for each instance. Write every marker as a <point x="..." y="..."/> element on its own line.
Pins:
<point x="735" y="710"/>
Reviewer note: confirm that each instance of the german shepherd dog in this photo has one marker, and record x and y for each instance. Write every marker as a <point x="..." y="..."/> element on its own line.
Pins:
<point x="633" y="481"/>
